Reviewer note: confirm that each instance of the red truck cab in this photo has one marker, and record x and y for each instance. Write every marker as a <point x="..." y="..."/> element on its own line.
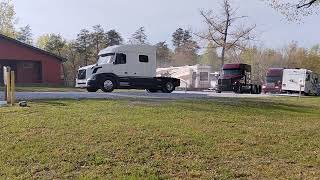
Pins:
<point x="273" y="82"/>
<point x="237" y="78"/>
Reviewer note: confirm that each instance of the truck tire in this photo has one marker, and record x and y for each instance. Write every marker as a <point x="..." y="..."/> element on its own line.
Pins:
<point x="259" y="89"/>
<point x="168" y="87"/>
<point x="238" y="89"/>
<point x="108" y="85"/>
<point x="90" y="89"/>
<point x="152" y="90"/>
<point x="254" y="89"/>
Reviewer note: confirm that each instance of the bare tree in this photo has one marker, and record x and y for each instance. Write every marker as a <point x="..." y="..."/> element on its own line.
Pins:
<point x="223" y="32"/>
<point x="306" y="3"/>
<point x="295" y="9"/>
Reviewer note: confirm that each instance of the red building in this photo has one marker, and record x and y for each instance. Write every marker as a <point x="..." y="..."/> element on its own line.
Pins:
<point x="32" y="65"/>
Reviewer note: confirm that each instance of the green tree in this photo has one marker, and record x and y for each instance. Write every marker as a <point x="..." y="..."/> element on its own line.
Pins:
<point x="163" y="54"/>
<point x="72" y="64"/>
<point x="186" y="48"/>
<point x="98" y="39"/>
<point x="210" y="57"/>
<point x="113" y="38"/>
<point x="7" y="18"/>
<point x="312" y="61"/>
<point x="139" y="37"/>
<point x="53" y="43"/>
<point x="84" y="45"/>
<point x="178" y="38"/>
<point x="25" y="35"/>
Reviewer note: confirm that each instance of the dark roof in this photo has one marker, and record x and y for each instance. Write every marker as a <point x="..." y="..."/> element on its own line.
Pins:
<point x="31" y="47"/>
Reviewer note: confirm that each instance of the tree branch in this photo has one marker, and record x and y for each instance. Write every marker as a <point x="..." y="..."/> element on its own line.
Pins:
<point x="307" y="5"/>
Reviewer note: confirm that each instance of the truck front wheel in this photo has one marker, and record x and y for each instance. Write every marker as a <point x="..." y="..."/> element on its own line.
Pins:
<point x="108" y="85"/>
<point x="168" y="87"/>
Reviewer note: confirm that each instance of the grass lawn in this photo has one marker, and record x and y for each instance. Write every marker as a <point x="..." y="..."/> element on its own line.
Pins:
<point x="219" y="138"/>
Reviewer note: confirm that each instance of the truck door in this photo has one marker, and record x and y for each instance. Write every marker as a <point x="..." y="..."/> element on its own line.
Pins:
<point x="144" y="64"/>
<point x="120" y="67"/>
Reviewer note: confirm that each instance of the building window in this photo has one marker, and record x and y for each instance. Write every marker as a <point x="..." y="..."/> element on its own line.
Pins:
<point x="204" y="76"/>
<point x="27" y="65"/>
<point x="121" y="59"/>
<point x="143" y="58"/>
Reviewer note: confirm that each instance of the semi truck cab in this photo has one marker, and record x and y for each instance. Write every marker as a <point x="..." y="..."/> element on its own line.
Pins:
<point x="125" y="67"/>
<point x="273" y="82"/>
<point x="237" y="78"/>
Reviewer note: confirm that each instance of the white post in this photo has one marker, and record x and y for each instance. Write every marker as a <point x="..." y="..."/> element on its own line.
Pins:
<point x="300" y="85"/>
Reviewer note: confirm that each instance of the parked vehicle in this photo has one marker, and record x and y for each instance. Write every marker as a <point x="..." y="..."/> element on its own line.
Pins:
<point x="296" y="80"/>
<point x="214" y="78"/>
<point x="195" y="77"/>
<point x="273" y="83"/>
<point x="125" y="67"/>
<point x="237" y="78"/>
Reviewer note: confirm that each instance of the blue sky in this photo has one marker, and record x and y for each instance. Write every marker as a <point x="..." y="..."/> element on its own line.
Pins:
<point x="160" y="18"/>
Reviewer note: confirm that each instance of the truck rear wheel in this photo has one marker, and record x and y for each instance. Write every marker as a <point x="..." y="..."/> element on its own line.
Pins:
<point x="108" y="85"/>
<point x="254" y="89"/>
<point x="168" y="87"/>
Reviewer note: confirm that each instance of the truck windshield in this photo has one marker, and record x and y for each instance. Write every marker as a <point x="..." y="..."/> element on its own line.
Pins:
<point x="273" y="79"/>
<point x="105" y="58"/>
<point x="232" y="72"/>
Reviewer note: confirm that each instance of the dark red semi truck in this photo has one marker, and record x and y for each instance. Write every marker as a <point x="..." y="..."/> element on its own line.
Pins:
<point x="237" y="78"/>
<point x="273" y="83"/>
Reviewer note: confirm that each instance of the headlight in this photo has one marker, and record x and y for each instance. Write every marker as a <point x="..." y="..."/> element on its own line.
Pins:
<point x="263" y="87"/>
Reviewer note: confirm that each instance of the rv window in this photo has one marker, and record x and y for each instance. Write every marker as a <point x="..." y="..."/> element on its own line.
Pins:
<point x="204" y="76"/>
<point x="143" y="58"/>
<point x="121" y="59"/>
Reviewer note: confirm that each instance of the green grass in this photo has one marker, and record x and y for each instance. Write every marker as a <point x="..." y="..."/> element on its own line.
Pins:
<point x="221" y="138"/>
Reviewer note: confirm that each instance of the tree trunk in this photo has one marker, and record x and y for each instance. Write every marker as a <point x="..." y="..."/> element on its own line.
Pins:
<point x="225" y="38"/>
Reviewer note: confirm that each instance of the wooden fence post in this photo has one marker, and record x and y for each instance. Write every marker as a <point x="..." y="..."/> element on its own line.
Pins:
<point x="8" y="80"/>
<point x="12" y="88"/>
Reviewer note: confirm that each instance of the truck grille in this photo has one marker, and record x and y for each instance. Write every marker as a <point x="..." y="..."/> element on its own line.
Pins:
<point x="82" y="74"/>
<point x="225" y="82"/>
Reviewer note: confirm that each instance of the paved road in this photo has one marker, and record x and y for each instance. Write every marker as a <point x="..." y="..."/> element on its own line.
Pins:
<point x="125" y="95"/>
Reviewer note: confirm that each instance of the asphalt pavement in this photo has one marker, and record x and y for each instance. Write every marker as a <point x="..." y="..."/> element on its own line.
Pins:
<point x="127" y="95"/>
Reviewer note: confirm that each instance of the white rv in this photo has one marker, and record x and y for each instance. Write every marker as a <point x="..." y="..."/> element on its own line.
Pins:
<point x="192" y="77"/>
<point x="296" y="80"/>
<point x="125" y="67"/>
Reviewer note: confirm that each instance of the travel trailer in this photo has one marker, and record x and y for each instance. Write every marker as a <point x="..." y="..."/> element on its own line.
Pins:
<point x="125" y="67"/>
<point x="195" y="77"/>
<point x="296" y="80"/>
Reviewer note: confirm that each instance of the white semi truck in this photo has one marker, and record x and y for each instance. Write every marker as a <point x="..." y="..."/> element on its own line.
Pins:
<point x="125" y="67"/>
<point x="296" y="80"/>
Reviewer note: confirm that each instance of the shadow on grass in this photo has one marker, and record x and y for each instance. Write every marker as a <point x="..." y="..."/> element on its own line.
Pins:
<point x="240" y="104"/>
<point x="52" y="103"/>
